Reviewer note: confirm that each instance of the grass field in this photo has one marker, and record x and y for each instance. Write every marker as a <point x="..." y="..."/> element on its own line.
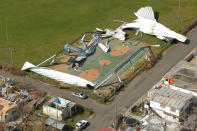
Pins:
<point x="38" y="29"/>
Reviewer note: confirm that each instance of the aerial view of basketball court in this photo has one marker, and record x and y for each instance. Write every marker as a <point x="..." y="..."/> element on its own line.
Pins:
<point x="100" y="65"/>
<point x="98" y="69"/>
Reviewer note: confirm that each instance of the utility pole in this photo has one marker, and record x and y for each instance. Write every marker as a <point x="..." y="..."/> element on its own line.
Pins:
<point x="115" y="123"/>
<point x="11" y="56"/>
<point x="9" y="49"/>
<point x="57" y="116"/>
<point x="179" y="12"/>
<point x="6" y="29"/>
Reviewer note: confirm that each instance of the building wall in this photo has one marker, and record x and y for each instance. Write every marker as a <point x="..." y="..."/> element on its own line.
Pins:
<point x="2" y="118"/>
<point x="157" y="106"/>
<point x="66" y="113"/>
<point x="161" y="111"/>
<point x="194" y="100"/>
<point x="52" y="112"/>
<point x="167" y="117"/>
<point x="9" y="116"/>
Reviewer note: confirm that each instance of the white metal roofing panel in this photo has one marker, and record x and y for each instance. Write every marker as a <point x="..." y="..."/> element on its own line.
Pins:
<point x="56" y="75"/>
<point x="146" y="12"/>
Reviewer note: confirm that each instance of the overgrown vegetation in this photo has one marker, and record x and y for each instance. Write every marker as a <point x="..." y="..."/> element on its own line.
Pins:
<point x="38" y="111"/>
<point x="138" y="109"/>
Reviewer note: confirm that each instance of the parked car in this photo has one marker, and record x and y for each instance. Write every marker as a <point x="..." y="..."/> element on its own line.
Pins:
<point x="79" y="94"/>
<point x="81" y="124"/>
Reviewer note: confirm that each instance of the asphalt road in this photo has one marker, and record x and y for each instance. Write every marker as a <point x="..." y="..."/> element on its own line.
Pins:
<point x="138" y="87"/>
<point x="143" y="82"/>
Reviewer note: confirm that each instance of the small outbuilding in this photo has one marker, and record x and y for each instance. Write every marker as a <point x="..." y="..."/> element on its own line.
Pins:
<point x="59" y="108"/>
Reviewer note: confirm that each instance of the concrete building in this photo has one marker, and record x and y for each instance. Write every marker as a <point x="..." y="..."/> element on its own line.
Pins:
<point x="59" y="108"/>
<point x="183" y="76"/>
<point x="176" y="91"/>
<point x="168" y="103"/>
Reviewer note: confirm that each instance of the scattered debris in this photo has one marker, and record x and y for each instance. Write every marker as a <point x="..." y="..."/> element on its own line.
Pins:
<point x="55" y="123"/>
<point x="12" y="70"/>
<point x="147" y="23"/>
<point x="13" y="100"/>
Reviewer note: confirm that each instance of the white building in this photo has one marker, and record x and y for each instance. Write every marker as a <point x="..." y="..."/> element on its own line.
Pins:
<point x="168" y="103"/>
<point x="176" y="90"/>
<point x="59" y="108"/>
<point x="183" y="76"/>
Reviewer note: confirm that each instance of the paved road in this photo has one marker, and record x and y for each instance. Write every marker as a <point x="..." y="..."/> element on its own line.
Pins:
<point x="143" y="82"/>
<point x="139" y="86"/>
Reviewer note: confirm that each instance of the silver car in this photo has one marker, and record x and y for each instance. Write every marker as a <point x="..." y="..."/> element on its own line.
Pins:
<point x="79" y="94"/>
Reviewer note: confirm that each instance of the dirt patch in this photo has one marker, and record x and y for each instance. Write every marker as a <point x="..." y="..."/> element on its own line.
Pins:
<point x="13" y="70"/>
<point x="90" y="75"/>
<point x="142" y="44"/>
<point x="185" y="78"/>
<point x="104" y="62"/>
<point x="62" y="58"/>
<point x="119" y="50"/>
<point x="60" y="67"/>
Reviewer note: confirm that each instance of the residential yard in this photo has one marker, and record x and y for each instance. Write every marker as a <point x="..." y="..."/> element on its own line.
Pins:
<point x="82" y="113"/>
<point x="39" y="29"/>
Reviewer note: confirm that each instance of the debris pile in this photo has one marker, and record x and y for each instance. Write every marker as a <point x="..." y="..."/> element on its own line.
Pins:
<point x="13" y="100"/>
<point x="12" y="70"/>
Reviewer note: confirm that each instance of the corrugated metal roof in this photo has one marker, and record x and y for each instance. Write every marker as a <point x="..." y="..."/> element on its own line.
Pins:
<point x="169" y="97"/>
<point x="54" y="123"/>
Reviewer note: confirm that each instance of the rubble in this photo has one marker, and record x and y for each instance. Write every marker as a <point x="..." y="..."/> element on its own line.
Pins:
<point x="13" y="100"/>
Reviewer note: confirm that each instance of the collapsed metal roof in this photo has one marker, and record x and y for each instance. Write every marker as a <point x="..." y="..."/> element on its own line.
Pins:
<point x="169" y="97"/>
<point x="54" y="123"/>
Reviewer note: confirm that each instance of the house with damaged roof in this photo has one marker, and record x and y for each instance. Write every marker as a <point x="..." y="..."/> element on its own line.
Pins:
<point x="168" y="103"/>
<point x="13" y="100"/>
<point x="59" y="108"/>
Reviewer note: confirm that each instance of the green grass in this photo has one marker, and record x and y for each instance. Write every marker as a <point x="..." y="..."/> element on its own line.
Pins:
<point x="82" y="114"/>
<point x="38" y="29"/>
